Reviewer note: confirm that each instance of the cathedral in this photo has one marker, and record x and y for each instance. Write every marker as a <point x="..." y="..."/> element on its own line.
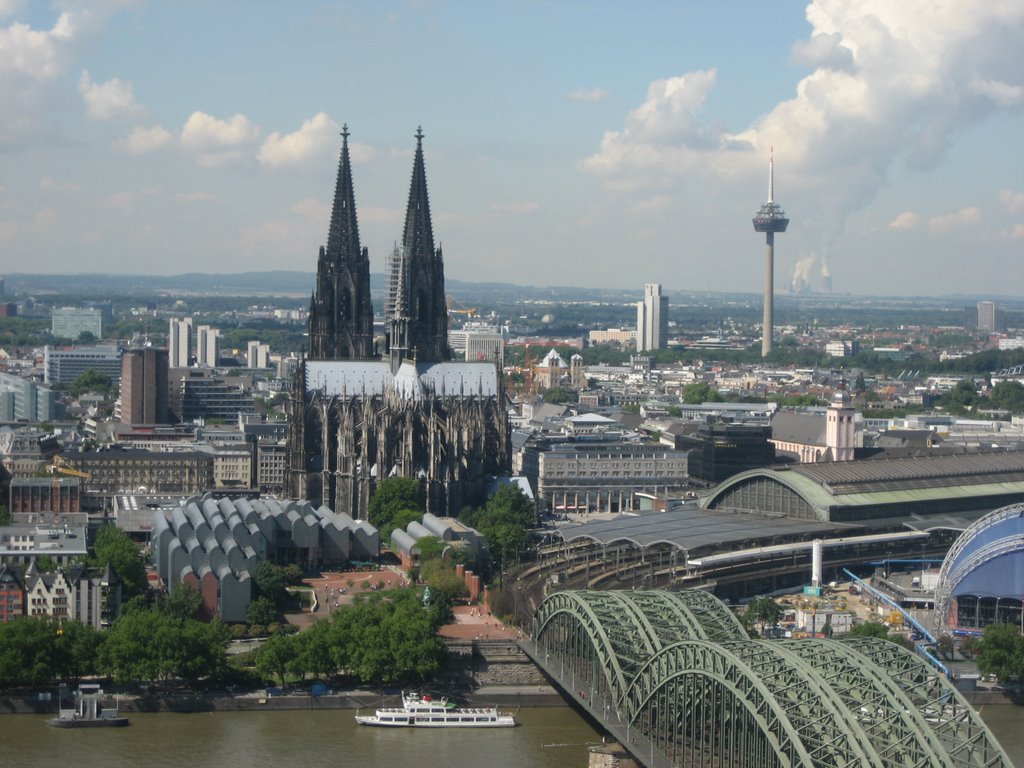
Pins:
<point x="364" y="407"/>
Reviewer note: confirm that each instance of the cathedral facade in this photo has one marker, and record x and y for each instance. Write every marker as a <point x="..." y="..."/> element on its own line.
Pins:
<point x="362" y="408"/>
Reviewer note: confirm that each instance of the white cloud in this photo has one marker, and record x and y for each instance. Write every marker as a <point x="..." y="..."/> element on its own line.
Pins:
<point x="33" y="52"/>
<point x="658" y="132"/>
<point x="1012" y="201"/>
<point x="206" y="132"/>
<point x="40" y="221"/>
<point x="1018" y="232"/>
<point x="891" y="83"/>
<point x="142" y="140"/>
<point x="58" y="186"/>
<point x="906" y="220"/>
<point x="377" y="215"/>
<point x="823" y="50"/>
<point x="524" y="207"/>
<point x="1003" y="94"/>
<point x="9" y="7"/>
<point x="938" y="225"/>
<point x="316" y="135"/>
<point x="312" y="209"/>
<point x="106" y="100"/>
<point x="119" y="201"/>
<point x="588" y="95"/>
<point x="194" y="197"/>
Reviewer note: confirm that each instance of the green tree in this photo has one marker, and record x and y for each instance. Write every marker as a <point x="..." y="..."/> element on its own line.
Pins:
<point x="700" y="392"/>
<point x="183" y="602"/>
<point x="113" y="546"/>
<point x="765" y="611"/>
<point x="962" y="398"/>
<point x="392" y="496"/>
<point x="440" y="576"/>
<point x="92" y="381"/>
<point x="559" y="395"/>
<point x="505" y="520"/>
<point x="262" y="610"/>
<point x="5" y="515"/>
<point x="1008" y="395"/>
<point x="277" y="655"/>
<point x="271" y="583"/>
<point x="1001" y="652"/>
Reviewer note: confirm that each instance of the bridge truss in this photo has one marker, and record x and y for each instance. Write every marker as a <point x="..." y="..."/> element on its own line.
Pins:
<point x="675" y="678"/>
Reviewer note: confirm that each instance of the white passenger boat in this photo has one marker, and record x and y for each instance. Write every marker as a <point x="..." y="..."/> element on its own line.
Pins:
<point x="427" y="712"/>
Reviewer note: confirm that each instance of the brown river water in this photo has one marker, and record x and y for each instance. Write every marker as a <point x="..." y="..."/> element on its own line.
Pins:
<point x="554" y="737"/>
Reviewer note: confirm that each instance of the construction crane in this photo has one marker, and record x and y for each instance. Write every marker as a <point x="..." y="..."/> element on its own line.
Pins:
<point x="57" y="472"/>
<point x="467" y="311"/>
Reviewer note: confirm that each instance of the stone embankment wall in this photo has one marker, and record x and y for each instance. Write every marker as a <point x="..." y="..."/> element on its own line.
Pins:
<point x="478" y="663"/>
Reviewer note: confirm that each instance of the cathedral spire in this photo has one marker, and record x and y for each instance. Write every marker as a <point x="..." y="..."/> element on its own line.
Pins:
<point x="419" y="232"/>
<point x="423" y="271"/>
<point x="343" y="236"/>
<point x="341" y="316"/>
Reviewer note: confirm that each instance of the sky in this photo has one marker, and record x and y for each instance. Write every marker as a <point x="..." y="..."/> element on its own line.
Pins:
<point x="567" y="142"/>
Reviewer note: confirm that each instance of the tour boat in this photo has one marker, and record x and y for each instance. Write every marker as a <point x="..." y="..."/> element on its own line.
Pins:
<point x="426" y="712"/>
<point x="89" y="711"/>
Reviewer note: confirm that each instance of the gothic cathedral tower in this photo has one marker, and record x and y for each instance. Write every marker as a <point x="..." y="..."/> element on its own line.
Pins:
<point x="419" y="328"/>
<point x="340" y="312"/>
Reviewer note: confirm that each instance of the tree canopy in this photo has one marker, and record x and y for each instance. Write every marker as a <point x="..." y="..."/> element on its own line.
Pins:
<point x="1001" y="652"/>
<point x="113" y="546"/>
<point x="393" y="496"/>
<point x="505" y="520"/>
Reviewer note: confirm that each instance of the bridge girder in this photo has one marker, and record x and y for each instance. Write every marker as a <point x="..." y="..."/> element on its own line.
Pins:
<point x="682" y="675"/>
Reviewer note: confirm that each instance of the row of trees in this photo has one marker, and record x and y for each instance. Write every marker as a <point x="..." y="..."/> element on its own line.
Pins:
<point x="382" y="638"/>
<point x="149" y="641"/>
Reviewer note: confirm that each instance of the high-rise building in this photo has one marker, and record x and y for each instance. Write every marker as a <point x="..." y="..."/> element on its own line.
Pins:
<point x="257" y="355"/>
<point x="179" y="343"/>
<point x="652" y="319"/>
<point x="770" y="218"/>
<point x="207" y="346"/>
<point x="72" y="322"/>
<point x="408" y="412"/>
<point x="988" y="316"/>
<point x="63" y="366"/>
<point x="144" y="386"/>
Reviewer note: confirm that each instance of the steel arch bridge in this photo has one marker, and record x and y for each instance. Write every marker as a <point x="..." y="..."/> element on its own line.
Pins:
<point x="675" y="678"/>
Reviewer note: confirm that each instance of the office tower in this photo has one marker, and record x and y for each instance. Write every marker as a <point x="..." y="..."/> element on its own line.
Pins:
<point x="987" y="316"/>
<point x="356" y="416"/>
<point x="179" y="343"/>
<point x="652" y="319"/>
<point x="257" y="355"/>
<point x="207" y="346"/>
<point x="770" y="218"/>
<point x="144" y="386"/>
<point x="72" y="322"/>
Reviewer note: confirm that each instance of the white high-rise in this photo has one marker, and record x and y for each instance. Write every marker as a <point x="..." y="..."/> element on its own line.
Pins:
<point x="652" y="319"/>
<point x="257" y="355"/>
<point x="207" y="346"/>
<point x="179" y="343"/>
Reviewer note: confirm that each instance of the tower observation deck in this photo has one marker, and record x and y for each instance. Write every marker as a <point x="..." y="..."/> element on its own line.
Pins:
<point x="769" y="218"/>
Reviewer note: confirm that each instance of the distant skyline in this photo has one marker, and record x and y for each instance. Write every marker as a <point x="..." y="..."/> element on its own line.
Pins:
<point x="596" y="144"/>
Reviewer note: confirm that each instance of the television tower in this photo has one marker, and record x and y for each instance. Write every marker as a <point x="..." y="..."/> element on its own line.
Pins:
<point x="770" y="218"/>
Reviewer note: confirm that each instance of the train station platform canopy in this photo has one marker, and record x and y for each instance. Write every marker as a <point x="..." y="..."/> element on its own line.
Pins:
<point x="696" y="531"/>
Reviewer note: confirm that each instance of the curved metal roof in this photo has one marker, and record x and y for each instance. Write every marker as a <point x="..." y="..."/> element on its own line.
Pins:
<point x="692" y="530"/>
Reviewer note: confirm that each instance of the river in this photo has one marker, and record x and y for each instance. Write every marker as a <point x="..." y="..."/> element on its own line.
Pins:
<point x="554" y="737"/>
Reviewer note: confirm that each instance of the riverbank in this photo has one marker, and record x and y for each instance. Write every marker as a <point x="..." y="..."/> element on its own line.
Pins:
<point x="258" y="701"/>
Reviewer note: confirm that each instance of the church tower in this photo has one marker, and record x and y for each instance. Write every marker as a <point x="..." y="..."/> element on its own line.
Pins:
<point x="840" y="426"/>
<point x="340" y="312"/>
<point x="422" y="271"/>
